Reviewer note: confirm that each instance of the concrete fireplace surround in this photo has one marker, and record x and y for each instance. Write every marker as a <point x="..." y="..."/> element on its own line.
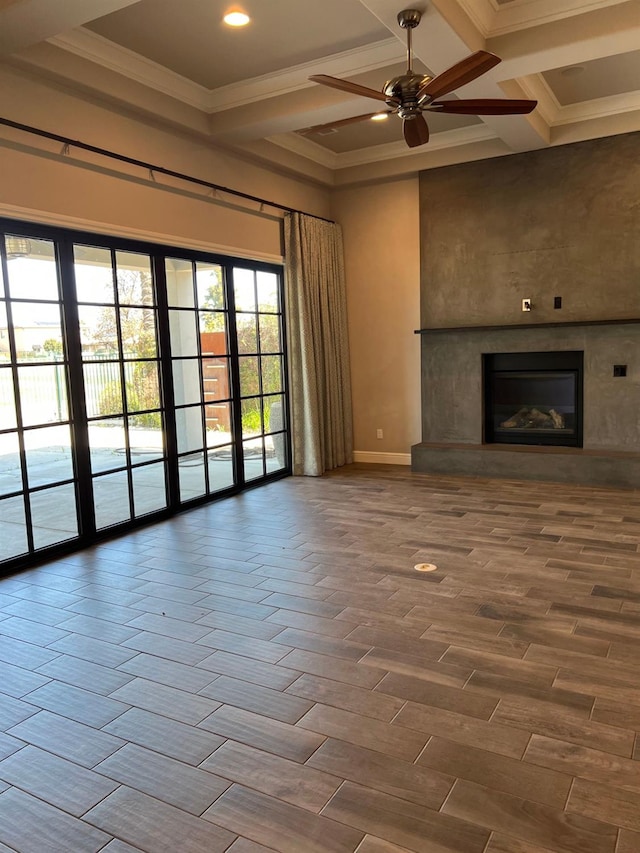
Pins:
<point x="558" y="222"/>
<point x="453" y="418"/>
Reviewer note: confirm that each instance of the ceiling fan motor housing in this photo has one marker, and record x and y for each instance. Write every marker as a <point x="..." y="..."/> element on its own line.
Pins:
<point x="402" y="93"/>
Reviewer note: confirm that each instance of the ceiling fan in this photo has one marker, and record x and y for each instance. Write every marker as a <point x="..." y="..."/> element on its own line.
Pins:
<point x="410" y="95"/>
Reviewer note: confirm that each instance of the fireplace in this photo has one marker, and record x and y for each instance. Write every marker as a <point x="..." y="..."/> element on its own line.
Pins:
<point x="456" y="438"/>
<point x="533" y="398"/>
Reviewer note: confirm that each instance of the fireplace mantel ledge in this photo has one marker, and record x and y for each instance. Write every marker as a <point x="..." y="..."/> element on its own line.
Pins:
<point x="512" y="326"/>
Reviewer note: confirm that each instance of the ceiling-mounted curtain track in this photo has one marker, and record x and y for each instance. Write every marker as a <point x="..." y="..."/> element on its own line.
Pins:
<point x="150" y="168"/>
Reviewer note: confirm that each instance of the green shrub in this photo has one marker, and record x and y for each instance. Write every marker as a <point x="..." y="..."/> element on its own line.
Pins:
<point x="251" y="422"/>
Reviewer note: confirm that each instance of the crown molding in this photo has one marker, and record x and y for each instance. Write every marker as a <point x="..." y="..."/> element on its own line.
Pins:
<point x="482" y="13"/>
<point x="379" y="153"/>
<point x="94" y="48"/>
<point x="598" y="108"/>
<point x="536" y="88"/>
<point x="522" y="14"/>
<point x="396" y="150"/>
<point x="348" y="62"/>
<point x="305" y="147"/>
<point x="557" y="115"/>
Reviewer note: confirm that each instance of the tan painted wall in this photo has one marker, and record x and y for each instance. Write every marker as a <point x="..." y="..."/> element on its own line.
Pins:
<point x="380" y="228"/>
<point x="35" y="176"/>
<point x="382" y="260"/>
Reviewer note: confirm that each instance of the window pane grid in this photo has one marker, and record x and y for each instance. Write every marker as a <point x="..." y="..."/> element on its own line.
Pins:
<point x="261" y="370"/>
<point x="201" y="355"/>
<point x="38" y="483"/>
<point x="119" y="381"/>
<point x="123" y="392"/>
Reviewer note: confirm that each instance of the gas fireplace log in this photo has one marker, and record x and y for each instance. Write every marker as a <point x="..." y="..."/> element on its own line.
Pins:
<point x="532" y="418"/>
<point x="516" y="421"/>
<point x="558" y="419"/>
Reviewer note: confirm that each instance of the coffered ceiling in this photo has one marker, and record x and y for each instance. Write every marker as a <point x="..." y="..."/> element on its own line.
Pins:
<point x="248" y="89"/>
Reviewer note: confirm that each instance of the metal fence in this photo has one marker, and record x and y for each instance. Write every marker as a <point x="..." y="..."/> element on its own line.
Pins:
<point x="43" y="390"/>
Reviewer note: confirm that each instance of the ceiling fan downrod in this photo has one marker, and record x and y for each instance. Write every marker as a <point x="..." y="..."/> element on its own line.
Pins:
<point x="408" y="20"/>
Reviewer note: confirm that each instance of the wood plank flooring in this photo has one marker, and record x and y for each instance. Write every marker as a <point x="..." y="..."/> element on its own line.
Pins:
<point x="269" y="673"/>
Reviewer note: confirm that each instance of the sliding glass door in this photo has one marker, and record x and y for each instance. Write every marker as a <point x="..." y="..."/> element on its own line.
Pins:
<point x="258" y="320"/>
<point x="134" y="381"/>
<point x="200" y="369"/>
<point x="117" y="313"/>
<point x="38" y="486"/>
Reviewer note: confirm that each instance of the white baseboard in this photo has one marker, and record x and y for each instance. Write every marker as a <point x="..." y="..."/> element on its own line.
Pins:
<point x="382" y="458"/>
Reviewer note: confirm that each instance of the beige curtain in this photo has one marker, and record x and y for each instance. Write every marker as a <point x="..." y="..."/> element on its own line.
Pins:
<point x="322" y="427"/>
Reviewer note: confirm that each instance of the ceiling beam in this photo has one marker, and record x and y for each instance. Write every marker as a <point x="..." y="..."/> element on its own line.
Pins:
<point x="31" y="21"/>
<point x="519" y="16"/>
<point x="286" y="113"/>
<point x="601" y="32"/>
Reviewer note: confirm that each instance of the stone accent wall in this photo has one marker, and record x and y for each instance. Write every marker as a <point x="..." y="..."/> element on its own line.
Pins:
<point x="558" y="222"/>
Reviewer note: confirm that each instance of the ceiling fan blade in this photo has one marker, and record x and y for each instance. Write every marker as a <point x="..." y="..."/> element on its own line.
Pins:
<point x="346" y="86"/>
<point x="485" y="107"/>
<point x="334" y="125"/>
<point x="459" y="74"/>
<point x="415" y="131"/>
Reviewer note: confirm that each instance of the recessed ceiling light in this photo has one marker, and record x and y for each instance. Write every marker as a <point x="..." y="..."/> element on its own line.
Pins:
<point x="380" y="117"/>
<point x="572" y="71"/>
<point x="236" y="19"/>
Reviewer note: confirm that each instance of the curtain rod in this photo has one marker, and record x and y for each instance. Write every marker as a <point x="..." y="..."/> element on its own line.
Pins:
<point x="122" y="158"/>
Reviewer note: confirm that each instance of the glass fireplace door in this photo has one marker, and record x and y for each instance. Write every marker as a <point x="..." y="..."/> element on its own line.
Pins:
<point x="533" y="398"/>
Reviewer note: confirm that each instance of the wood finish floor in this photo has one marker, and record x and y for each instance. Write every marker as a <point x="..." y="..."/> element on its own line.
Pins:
<point x="270" y="673"/>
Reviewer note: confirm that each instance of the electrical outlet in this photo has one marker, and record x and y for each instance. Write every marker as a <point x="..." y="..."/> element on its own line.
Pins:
<point x="526" y="305"/>
<point x="379" y="433"/>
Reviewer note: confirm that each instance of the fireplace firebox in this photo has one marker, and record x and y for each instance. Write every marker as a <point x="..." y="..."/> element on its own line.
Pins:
<point x="533" y="398"/>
